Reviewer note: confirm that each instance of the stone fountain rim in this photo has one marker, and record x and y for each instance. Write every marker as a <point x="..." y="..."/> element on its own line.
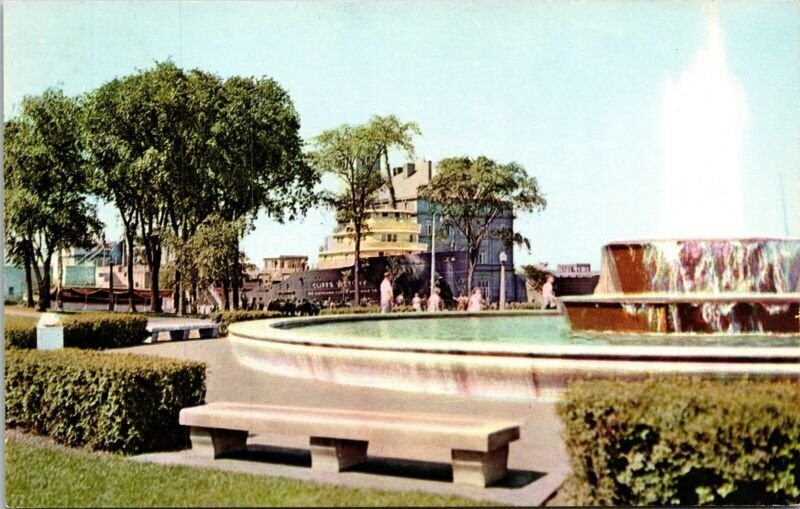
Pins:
<point x="284" y="331"/>
<point x="701" y="239"/>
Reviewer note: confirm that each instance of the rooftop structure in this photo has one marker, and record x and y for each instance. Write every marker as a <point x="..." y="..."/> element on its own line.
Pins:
<point x="278" y="268"/>
<point x="390" y="232"/>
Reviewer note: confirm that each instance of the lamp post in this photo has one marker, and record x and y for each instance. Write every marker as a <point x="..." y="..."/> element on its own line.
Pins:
<point x="503" y="259"/>
<point x="433" y="252"/>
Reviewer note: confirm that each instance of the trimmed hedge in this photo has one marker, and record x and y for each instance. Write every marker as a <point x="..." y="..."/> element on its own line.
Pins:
<point x="114" y="402"/>
<point x="683" y="441"/>
<point x="225" y="318"/>
<point x="20" y="331"/>
<point x="82" y="330"/>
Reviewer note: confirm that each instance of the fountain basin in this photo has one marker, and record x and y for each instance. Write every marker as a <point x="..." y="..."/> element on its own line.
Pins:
<point x="732" y="286"/>
<point x="494" y="369"/>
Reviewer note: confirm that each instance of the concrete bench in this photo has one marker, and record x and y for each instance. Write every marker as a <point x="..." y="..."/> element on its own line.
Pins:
<point x="179" y="332"/>
<point x="339" y="439"/>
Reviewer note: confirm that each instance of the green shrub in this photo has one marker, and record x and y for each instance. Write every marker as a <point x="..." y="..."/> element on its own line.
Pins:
<point x="683" y="441"/>
<point x="114" y="402"/>
<point x="82" y="330"/>
<point x="20" y="331"/>
<point x="104" y="330"/>
<point x="225" y="318"/>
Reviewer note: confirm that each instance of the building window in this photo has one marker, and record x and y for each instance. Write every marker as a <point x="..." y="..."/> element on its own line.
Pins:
<point x="10" y="290"/>
<point x="482" y="257"/>
<point x="484" y="286"/>
<point x="428" y="229"/>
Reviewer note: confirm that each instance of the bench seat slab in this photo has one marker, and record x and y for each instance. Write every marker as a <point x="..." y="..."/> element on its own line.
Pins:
<point x="475" y="468"/>
<point x="335" y="455"/>
<point x="213" y="443"/>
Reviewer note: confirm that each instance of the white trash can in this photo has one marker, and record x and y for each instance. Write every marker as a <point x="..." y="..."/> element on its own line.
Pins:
<point x="49" y="332"/>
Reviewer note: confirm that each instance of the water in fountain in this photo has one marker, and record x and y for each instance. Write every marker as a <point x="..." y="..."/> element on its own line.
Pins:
<point x="704" y="117"/>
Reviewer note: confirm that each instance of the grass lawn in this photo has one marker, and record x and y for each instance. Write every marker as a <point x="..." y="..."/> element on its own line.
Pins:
<point x="42" y="474"/>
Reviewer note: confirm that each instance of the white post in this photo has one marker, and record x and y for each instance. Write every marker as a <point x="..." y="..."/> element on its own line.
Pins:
<point x="503" y="258"/>
<point x="433" y="252"/>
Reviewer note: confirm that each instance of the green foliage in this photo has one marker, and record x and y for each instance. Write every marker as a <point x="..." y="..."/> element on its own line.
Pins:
<point x="472" y="193"/>
<point x="225" y="318"/>
<point x="392" y="134"/>
<point x="46" y="184"/>
<point x="45" y="475"/>
<point x="353" y="153"/>
<point x="536" y="275"/>
<point x="82" y="330"/>
<point x="683" y="441"/>
<point x="175" y="149"/>
<point x="115" y="402"/>
<point x="20" y="331"/>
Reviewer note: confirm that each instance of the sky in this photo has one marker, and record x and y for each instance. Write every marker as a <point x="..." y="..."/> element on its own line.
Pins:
<point x="639" y="120"/>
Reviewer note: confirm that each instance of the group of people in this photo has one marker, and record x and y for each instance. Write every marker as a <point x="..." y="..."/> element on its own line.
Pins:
<point x="434" y="303"/>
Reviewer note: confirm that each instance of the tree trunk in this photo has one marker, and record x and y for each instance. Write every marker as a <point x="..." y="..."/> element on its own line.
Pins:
<point x="131" y="303"/>
<point x="226" y="299"/>
<point x="59" y="289"/>
<point x="111" y="285"/>
<point x="356" y="264"/>
<point x="44" y="286"/>
<point x="194" y="295"/>
<point x="235" y="277"/>
<point x="28" y="278"/>
<point x="472" y="262"/>
<point x="155" y="268"/>
<point x="177" y="294"/>
<point x="389" y="179"/>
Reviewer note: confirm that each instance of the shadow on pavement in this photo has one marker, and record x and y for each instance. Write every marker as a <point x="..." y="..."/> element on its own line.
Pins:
<point x="376" y="465"/>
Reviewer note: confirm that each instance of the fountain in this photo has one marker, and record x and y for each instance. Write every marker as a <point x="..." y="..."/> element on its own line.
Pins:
<point x="717" y="286"/>
<point x="706" y="307"/>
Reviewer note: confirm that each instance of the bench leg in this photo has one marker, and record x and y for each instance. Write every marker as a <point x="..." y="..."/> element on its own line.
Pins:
<point x="213" y="443"/>
<point x="334" y="455"/>
<point x="177" y="335"/>
<point x="479" y="468"/>
<point x="211" y="332"/>
<point x="154" y="337"/>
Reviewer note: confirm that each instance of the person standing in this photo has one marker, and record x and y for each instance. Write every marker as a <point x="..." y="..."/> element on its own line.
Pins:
<point x="476" y="302"/>
<point x="435" y="303"/>
<point x="461" y="303"/>
<point x="416" y="303"/>
<point x="387" y="293"/>
<point x="548" y="294"/>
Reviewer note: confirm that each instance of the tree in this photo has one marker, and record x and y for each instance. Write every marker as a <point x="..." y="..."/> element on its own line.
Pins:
<point x="47" y="205"/>
<point x="257" y="158"/>
<point x="137" y="129"/>
<point x="353" y="154"/>
<point x="391" y="134"/>
<point x="537" y="276"/>
<point x="472" y="193"/>
<point x="111" y="154"/>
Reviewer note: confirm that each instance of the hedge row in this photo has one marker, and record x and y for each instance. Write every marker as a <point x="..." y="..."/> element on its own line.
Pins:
<point x="683" y="441"/>
<point x="114" y="402"/>
<point x="225" y="318"/>
<point x="82" y="330"/>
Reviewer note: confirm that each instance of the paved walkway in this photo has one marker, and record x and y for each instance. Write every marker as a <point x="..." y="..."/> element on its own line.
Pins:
<point x="538" y="460"/>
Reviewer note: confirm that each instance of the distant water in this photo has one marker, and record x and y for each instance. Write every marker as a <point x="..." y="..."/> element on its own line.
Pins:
<point x="522" y="330"/>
